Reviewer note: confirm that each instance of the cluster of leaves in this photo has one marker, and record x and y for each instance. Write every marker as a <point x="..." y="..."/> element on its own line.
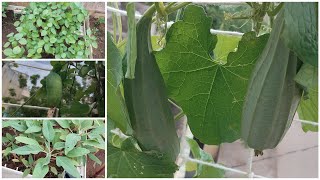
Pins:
<point x="83" y="91"/>
<point x="22" y="81"/>
<point x="45" y="145"/>
<point x="51" y="30"/>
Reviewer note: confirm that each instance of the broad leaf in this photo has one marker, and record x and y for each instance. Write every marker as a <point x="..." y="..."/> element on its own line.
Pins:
<point x="27" y="149"/>
<point x="63" y="123"/>
<point x="71" y="141"/>
<point x="225" y="45"/>
<point x="308" y="107"/>
<point x="94" y="158"/>
<point x="210" y="94"/>
<point x="204" y="171"/>
<point x="300" y="31"/>
<point x="134" y="164"/>
<point x="78" y="151"/>
<point x="47" y="130"/>
<point x="117" y="110"/>
<point x="40" y="170"/>
<point x="68" y="166"/>
<point x="28" y="141"/>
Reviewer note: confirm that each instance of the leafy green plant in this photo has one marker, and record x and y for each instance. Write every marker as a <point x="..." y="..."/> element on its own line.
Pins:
<point x="45" y="146"/>
<point x="34" y="78"/>
<point x="22" y="81"/>
<point x="12" y="92"/>
<point x="79" y="93"/>
<point x="4" y="9"/>
<point x="51" y="30"/>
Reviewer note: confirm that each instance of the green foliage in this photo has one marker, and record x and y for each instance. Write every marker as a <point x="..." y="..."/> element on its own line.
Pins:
<point x="52" y="140"/>
<point x="12" y="92"/>
<point x="4" y="9"/>
<point x="34" y="79"/>
<point x="22" y="81"/>
<point x="50" y="30"/>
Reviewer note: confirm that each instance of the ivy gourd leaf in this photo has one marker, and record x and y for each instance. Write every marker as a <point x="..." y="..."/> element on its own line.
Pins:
<point x="94" y="158"/>
<point x="68" y="166"/>
<point x="117" y="110"/>
<point x="135" y="164"/>
<point x="40" y="170"/>
<point x="308" y="107"/>
<point x="204" y="171"/>
<point x="63" y="123"/>
<point x="226" y="45"/>
<point x="300" y="31"/>
<point x="210" y="94"/>
<point x="80" y="17"/>
<point x="33" y="129"/>
<point x="8" y="52"/>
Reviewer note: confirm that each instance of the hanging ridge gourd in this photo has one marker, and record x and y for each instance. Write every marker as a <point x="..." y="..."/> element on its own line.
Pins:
<point x="146" y="98"/>
<point x="54" y="89"/>
<point x="272" y="96"/>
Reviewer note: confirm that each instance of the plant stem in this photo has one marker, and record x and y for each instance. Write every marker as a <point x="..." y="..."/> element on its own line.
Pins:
<point x="276" y="10"/>
<point x="160" y="8"/>
<point x="118" y="22"/>
<point x="179" y="6"/>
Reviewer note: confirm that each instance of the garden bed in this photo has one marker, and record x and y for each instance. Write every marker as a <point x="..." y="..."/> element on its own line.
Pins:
<point x="98" y="29"/>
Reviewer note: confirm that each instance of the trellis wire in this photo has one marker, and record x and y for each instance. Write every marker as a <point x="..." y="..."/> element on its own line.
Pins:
<point x="138" y="16"/>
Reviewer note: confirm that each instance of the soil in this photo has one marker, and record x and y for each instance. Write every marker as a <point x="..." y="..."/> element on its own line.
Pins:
<point x="7" y="27"/>
<point x="98" y="53"/>
<point x="95" y="170"/>
<point x="19" y="166"/>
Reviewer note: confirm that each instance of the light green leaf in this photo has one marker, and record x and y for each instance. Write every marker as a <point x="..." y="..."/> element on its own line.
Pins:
<point x="225" y="45"/>
<point x="16" y="50"/>
<point x="63" y="123"/>
<point x="80" y="17"/>
<point x="67" y="165"/>
<point x="53" y="170"/>
<point x="23" y="41"/>
<point x="77" y="152"/>
<point x="59" y="145"/>
<point x="94" y="144"/>
<point x="26" y="173"/>
<point x="18" y="36"/>
<point x="40" y="170"/>
<point x="204" y="171"/>
<point x="132" y="41"/>
<point x="135" y="164"/>
<point x="308" y="107"/>
<point x="8" y="52"/>
<point x="47" y="130"/>
<point x="43" y="33"/>
<point x="71" y="141"/>
<point x="7" y="44"/>
<point x="214" y="103"/>
<point x="26" y="150"/>
<point x="33" y="129"/>
<point x="28" y="141"/>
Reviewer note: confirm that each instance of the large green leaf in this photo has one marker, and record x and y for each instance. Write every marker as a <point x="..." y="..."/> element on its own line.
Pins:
<point x="134" y="164"/>
<point x="41" y="169"/>
<point x="308" y="107"/>
<point x="117" y="110"/>
<point x="204" y="171"/>
<point x="300" y="31"/>
<point x="78" y="151"/>
<point x="211" y="94"/>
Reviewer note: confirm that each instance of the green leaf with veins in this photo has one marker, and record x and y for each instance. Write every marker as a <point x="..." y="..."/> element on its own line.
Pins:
<point x="131" y="163"/>
<point x="225" y="45"/>
<point x="307" y="77"/>
<point x="210" y="94"/>
<point x="117" y="110"/>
